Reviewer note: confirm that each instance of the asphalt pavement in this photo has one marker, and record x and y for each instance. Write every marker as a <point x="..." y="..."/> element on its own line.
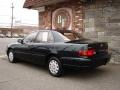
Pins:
<point x="26" y="76"/>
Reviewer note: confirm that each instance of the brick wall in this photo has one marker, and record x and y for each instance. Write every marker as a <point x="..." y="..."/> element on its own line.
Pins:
<point x="77" y="7"/>
<point x="102" y="22"/>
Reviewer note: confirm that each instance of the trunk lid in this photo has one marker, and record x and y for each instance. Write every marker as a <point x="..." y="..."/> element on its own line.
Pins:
<point x="99" y="47"/>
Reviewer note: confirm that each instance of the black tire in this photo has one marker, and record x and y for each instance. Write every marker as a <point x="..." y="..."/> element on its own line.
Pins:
<point x="11" y="56"/>
<point x="58" y="64"/>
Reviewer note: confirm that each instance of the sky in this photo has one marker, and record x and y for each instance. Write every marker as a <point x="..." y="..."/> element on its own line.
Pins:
<point x="22" y="16"/>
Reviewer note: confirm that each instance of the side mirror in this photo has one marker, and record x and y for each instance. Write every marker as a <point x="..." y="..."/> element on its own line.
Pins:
<point x="20" y="41"/>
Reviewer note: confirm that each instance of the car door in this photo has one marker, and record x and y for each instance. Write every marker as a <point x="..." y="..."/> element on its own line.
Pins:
<point x="41" y="47"/>
<point x="24" y="50"/>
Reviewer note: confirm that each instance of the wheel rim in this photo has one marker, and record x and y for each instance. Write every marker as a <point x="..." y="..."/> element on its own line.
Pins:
<point x="54" y="67"/>
<point x="11" y="56"/>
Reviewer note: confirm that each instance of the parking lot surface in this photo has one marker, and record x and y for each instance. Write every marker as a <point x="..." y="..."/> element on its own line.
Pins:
<point x="24" y="76"/>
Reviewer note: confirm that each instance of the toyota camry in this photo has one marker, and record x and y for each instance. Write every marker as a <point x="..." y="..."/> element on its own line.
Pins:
<point x="59" y="49"/>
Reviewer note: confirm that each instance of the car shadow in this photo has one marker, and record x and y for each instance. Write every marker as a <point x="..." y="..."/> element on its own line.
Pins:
<point x="34" y="66"/>
<point x="83" y="73"/>
<point x="86" y="73"/>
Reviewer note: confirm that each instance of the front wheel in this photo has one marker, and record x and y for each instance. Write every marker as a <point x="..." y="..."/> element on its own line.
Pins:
<point x="55" y="67"/>
<point x="11" y="56"/>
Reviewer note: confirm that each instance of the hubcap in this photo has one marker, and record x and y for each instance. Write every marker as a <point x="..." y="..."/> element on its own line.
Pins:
<point x="11" y="56"/>
<point x="53" y="67"/>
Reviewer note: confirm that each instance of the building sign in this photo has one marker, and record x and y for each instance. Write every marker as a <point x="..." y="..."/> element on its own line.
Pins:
<point x="62" y="19"/>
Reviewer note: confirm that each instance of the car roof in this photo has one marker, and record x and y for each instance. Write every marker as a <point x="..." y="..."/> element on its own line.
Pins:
<point x="61" y="31"/>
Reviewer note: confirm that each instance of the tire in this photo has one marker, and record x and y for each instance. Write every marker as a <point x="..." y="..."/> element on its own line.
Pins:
<point x="55" y="67"/>
<point x="11" y="56"/>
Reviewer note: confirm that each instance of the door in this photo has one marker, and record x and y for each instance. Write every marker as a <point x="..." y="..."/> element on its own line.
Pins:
<point x="41" y="48"/>
<point x="24" y="50"/>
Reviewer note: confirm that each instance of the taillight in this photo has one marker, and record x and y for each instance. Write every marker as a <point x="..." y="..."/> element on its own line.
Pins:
<point x="87" y="53"/>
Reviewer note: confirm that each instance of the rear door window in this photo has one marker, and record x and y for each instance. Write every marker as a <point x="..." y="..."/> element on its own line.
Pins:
<point x="50" y="38"/>
<point x="45" y="37"/>
<point x="42" y="37"/>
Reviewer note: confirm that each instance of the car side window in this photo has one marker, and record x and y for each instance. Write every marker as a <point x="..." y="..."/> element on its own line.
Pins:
<point x="50" y="37"/>
<point x="42" y="37"/>
<point x="30" y="38"/>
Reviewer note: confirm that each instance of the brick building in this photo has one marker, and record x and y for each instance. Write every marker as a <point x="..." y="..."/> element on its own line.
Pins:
<point x="96" y="19"/>
<point x="58" y="14"/>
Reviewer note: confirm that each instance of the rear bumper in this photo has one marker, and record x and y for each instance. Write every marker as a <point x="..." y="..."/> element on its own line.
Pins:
<point x="85" y="62"/>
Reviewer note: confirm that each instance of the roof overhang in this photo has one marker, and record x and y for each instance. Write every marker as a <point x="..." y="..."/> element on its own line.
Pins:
<point x="32" y="4"/>
<point x="39" y="3"/>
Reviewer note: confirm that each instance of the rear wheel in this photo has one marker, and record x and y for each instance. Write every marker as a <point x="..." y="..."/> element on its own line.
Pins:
<point x="55" y="67"/>
<point x="11" y="56"/>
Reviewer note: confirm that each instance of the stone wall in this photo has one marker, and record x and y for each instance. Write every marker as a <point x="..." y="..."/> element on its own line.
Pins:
<point x="102" y="22"/>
